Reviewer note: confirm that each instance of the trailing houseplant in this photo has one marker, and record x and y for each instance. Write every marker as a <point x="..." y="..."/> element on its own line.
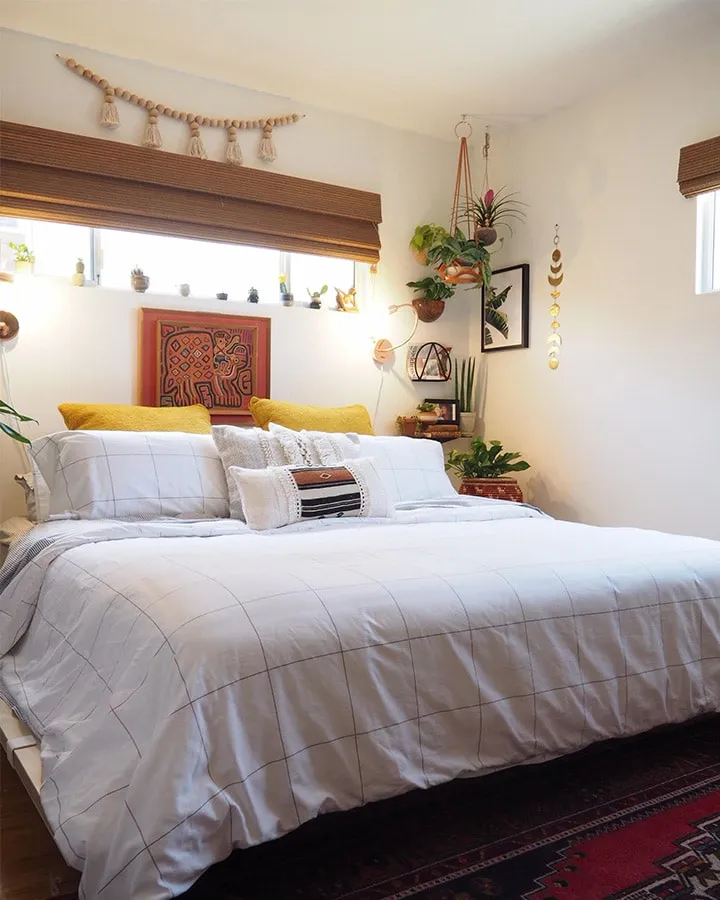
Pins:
<point x="432" y="293"/>
<point x="7" y="410"/>
<point x="483" y="467"/>
<point x="426" y="237"/>
<point x="465" y="394"/>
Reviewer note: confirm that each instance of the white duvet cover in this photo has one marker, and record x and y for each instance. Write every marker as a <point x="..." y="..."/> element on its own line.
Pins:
<point x="198" y="687"/>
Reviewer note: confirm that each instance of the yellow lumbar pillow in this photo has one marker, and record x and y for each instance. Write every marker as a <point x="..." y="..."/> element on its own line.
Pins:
<point x="313" y="418"/>
<point x="118" y="417"/>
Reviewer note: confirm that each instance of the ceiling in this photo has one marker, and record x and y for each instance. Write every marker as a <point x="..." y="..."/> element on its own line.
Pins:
<point x="413" y="64"/>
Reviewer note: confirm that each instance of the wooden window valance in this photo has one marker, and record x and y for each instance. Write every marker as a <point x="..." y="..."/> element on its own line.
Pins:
<point x="62" y="177"/>
<point x="699" y="169"/>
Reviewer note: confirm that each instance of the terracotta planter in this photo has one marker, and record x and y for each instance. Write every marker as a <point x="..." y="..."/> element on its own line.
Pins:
<point x="486" y="235"/>
<point x="458" y="273"/>
<point x="407" y="425"/>
<point x="493" y="488"/>
<point x="428" y="310"/>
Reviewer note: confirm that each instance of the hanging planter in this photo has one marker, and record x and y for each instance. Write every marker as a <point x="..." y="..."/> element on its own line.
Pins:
<point x="433" y="292"/>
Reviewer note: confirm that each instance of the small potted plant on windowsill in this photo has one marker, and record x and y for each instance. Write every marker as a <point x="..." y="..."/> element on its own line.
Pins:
<point x="482" y="468"/>
<point x="139" y="280"/>
<point x="24" y="258"/>
<point x="432" y="294"/>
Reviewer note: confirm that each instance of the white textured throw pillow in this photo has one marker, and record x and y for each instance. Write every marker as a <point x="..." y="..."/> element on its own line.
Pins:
<point x="411" y="468"/>
<point x="127" y="474"/>
<point x="248" y="448"/>
<point x="317" y="448"/>
<point x="284" y="495"/>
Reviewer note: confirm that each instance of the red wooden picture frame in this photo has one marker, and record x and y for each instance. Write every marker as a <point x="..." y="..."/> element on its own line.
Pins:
<point x="215" y="359"/>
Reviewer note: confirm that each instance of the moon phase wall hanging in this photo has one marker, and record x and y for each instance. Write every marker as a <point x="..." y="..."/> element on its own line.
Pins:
<point x="429" y="362"/>
<point x="555" y="279"/>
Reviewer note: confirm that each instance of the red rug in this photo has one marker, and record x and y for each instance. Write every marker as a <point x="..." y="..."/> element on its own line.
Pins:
<point x="629" y="820"/>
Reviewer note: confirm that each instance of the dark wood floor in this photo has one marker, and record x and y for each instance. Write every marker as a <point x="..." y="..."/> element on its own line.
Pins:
<point x="31" y="867"/>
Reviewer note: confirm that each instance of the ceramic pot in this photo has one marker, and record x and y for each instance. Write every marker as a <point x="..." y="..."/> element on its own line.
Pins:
<point x="140" y="283"/>
<point x="408" y="425"/>
<point x="459" y="273"/>
<point x="467" y="423"/>
<point x="23" y="268"/>
<point x="492" y="488"/>
<point x="428" y="310"/>
<point x="427" y="418"/>
<point x="287" y="299"/>
<point x="486" y="235"/>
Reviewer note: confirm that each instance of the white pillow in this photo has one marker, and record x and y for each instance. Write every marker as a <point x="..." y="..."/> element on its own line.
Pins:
<point x="284" y="495"/>
<point x="248" y="448"/>
<point x="317" y="448"/>
<point x="127" y="474"/>
<point x="411" y="468"/>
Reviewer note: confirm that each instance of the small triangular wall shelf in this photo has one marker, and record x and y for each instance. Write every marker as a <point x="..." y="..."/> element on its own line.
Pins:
<point x="428" y="362"/>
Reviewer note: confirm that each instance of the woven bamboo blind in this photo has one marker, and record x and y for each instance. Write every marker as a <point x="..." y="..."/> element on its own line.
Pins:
<point x="699" y="169"/>
<point x="65" y="177"/>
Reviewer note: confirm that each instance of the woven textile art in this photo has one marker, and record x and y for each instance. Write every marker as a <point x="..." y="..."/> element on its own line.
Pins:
<point x="193" y="357"/>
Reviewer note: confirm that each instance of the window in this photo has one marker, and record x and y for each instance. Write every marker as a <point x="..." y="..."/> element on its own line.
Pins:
<point x="208" y="268"/>
<point x="707" y="276"/>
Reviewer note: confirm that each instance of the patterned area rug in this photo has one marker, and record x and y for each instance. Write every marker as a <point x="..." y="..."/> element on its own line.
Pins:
<point x="629" y="820"/>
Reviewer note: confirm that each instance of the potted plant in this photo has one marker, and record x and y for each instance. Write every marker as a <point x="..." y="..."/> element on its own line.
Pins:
<point x="427" y="413"/>
<point x="464" y="393"/>
<point x="492" y="209"/>
<point x="482" y="468"/>
<point x="407" y="425"/>
<point x="433" y="292"/>
<point x="24" y="258"/>
<point x="426" y="237"/>
<point x="139" y="280"/>
<point x="459" y="260"/>
<point x="7" y="410"/>
<point x="315" y="301"/>
<point x="286" y="298"/>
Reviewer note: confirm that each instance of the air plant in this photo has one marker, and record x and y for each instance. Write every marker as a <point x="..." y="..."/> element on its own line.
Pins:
<point x="497" y="208"/>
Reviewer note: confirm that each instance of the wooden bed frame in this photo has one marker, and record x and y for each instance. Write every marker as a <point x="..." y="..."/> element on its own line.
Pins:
<point x="25" y="760"/>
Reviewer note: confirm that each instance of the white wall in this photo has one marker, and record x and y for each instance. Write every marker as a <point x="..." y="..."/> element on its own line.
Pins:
<point x="627" y="430"/>
<point x="79" y="344"/>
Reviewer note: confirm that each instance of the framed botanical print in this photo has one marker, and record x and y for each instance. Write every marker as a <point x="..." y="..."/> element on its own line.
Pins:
<point x="215" y="359"/>
<point x="506" y="309"/>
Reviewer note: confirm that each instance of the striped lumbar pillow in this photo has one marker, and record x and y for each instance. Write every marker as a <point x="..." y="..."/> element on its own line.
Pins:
<point x="283" y="495"/>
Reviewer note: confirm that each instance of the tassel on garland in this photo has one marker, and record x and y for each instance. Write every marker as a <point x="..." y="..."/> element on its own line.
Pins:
<point x="153" y="138"/>
<point x="109" y="117"/>
<point x="195" y="147"/>
<point x="233" y="153"/>
<point x="267" y="151"/>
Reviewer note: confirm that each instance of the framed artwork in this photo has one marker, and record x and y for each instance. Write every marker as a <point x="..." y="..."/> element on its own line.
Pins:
<point x="447" y="411"/>
<point x="210" y="358"/>
<point x="428" y="362"/>
<point x="506" y="309"/>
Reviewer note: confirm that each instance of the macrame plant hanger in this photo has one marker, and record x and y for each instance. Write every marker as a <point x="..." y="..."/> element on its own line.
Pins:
<point x="462" y="216"/>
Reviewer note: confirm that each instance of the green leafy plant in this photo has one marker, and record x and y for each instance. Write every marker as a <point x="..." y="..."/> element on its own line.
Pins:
<point x="460" y="250"/>
<point x="433" y="288"/>
<point x="426" y="407"/>
<point x="315" y="295"/>
<point x="494" y="315"/>
<point x="7" y="410"/>
<point x="465" y="384"/>
<point x="137" y="272"/>
<point x="427" y="236"/>
<point x="22" y="253"/>
<point x="497" y="208"/>
<point x="484" y="461"/>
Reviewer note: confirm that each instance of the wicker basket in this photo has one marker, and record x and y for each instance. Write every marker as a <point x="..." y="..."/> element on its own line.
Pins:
<point x="492" y="488"/>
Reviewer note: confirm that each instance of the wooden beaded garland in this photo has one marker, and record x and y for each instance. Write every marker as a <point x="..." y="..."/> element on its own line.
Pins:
<point x="109" y="118"/>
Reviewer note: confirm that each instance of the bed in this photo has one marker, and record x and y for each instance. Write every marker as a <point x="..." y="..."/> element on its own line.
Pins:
<point x="199" y="686"/>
